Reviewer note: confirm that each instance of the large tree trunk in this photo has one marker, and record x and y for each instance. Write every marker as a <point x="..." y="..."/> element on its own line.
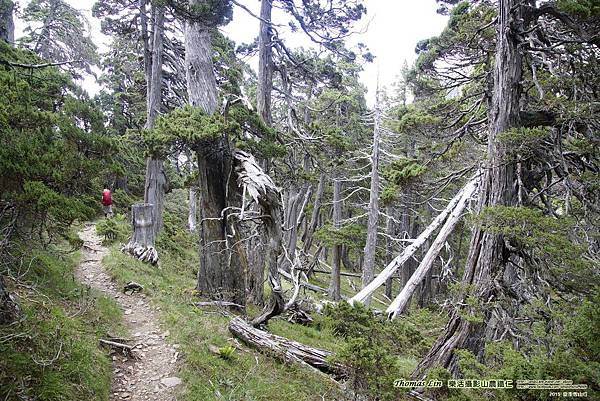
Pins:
<point x="371" y="244"/>
<point x="7" y="24"/>
<point x="334" y="286"/>
<point x="258" y="244"/>
<point x="221" y="274"/>
<point x="156" y="178"/>
<point x="141" y="244"/>
<point x="265" y="63"/>
<point x="487" y="256"/>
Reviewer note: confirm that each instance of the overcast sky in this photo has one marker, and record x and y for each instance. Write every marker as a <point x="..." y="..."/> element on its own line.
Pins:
<point x="393" y="27"/>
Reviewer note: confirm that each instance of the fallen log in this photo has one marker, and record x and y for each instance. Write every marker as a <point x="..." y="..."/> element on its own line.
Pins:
<point x="285" y="349"/>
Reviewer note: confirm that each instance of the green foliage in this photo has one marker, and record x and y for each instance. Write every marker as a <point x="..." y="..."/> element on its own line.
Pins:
<point x="370" y="346"/>
<point x="115" y="229"/>
<point x="53" y="155"/>
<point x="546" y="239"/>
<point x="192" y="126"/>
<point x="52" y="354"/>
<point x="353" y="235"/>
<point x="580" y="8"/>
<point x="397" y="175"/>
<point x="64" y="35"/>
<point x="400" y="172"/>
<point x="524" y="141"/>
<point x="227" y="352"/>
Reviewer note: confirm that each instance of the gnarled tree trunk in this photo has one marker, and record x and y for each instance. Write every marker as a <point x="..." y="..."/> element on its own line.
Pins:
<point x="221" y="272"/>
<point x="156" y="183"/>
<point x="487" y="256"/>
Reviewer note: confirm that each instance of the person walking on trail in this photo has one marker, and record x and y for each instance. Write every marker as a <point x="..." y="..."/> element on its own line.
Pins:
<point x="107" y="202"/>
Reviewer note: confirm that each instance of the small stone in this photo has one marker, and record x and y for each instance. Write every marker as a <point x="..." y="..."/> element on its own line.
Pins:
<point x="170" y="381"/>
<point x="128" y="311"/>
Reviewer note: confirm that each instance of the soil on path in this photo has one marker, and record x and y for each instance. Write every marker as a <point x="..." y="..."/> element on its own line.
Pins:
<point x="150" y="376"/>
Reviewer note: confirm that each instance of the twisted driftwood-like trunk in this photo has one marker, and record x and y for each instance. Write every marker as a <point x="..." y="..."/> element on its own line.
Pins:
<point x="141" y="244"/>
<point x="285" y="349"/>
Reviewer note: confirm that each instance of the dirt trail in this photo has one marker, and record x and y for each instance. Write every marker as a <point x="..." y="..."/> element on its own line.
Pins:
<point x="152" y="375"/>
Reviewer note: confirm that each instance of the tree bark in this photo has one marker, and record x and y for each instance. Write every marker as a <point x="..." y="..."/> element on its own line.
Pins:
<point x="265" y="63"/>
<point x="7" y="24"/>
<point x="487" y="256"/>
<point x="371" y="244"/>
<point x="156" y="178"/>
<point x="221" y="275"/>
<point x="334" y="286"/>
<point x="141" y="244"/>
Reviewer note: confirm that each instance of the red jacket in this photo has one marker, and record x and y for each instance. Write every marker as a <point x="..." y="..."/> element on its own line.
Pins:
<point x="106" y="198"/>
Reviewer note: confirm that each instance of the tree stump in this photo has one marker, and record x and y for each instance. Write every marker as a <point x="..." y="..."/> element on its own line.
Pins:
<point x="141" y="244"/>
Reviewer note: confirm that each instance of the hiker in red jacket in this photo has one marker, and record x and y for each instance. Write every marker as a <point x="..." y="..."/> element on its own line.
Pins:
<point x="107" y="202"/>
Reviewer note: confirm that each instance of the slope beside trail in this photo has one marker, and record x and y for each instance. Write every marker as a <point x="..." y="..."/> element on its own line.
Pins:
<point x="151" y="374"/>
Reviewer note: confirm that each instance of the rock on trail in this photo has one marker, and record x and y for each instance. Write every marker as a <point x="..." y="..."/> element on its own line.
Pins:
<point x="151" y="376"/>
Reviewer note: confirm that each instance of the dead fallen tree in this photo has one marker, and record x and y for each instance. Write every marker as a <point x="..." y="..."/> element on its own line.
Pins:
<point x="410" y="250"/>
<point x="400" y="303"/>
<point x="285" y="349"/>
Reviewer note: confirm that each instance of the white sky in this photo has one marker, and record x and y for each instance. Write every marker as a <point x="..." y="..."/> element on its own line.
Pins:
<point x="394" y="28"/>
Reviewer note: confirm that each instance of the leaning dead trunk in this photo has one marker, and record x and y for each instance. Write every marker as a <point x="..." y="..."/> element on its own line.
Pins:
<point x="400" y="303"/>
<point x="487" y="258"/>
<point x="141" y="244"/>
<point x="408" y="251"/>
